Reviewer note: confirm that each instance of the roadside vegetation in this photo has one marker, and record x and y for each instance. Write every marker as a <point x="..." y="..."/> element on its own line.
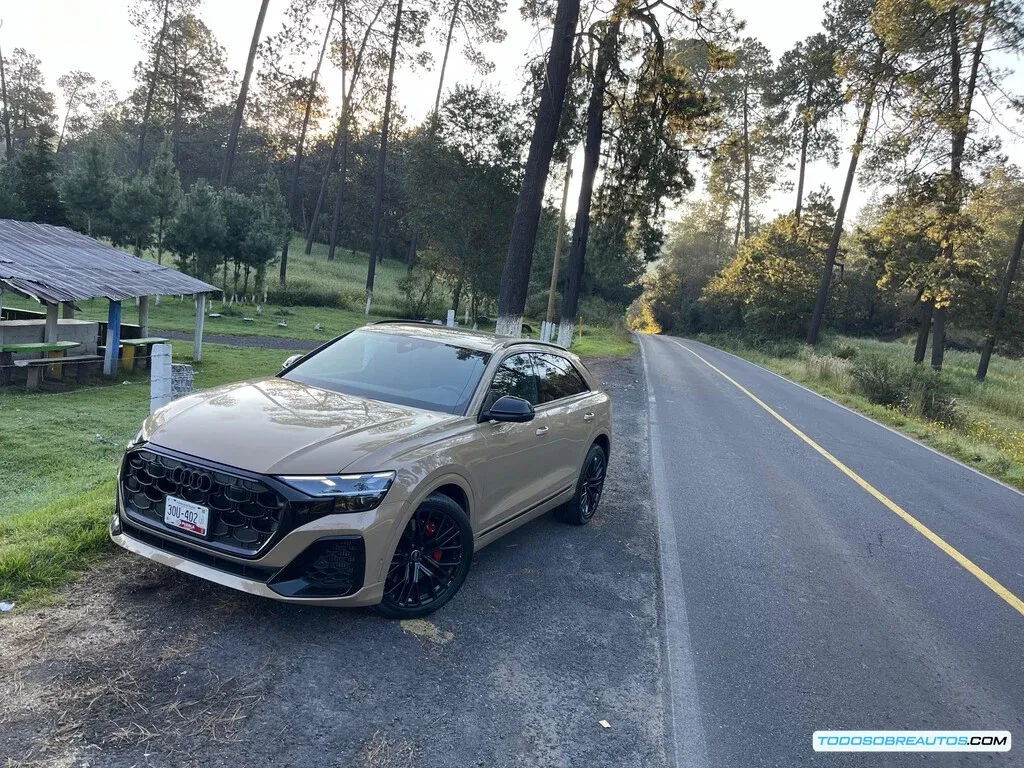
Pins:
<point x="979" y="423"/>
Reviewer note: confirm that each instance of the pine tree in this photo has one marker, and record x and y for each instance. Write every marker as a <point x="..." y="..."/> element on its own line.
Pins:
<point x="132" y="213"/>
<point x="89" y="189"/>
<point x="37" y="180"/>
<point x="166" y="187"/>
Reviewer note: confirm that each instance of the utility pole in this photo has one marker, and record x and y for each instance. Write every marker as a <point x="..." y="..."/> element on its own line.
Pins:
<point x="559" y="241"/>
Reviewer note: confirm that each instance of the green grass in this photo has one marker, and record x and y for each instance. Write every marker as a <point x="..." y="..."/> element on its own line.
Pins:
<point x="58" y="455"/>
<point x="989" y="433"/>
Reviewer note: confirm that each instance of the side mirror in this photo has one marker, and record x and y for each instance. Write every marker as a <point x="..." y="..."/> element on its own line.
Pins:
<point x="288" y="363"/>
<point x="508" y="408"/>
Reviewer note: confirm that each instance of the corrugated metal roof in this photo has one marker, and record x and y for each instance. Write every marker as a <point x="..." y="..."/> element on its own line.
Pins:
<point x="55" y="264"/>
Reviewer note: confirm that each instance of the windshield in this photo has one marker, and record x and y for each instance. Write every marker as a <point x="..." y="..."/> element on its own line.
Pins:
<point x="396" y="369"/>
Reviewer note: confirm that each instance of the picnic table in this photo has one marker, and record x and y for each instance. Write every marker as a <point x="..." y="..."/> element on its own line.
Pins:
<point x="129" y="347"/>
<point x="52" y="357"/>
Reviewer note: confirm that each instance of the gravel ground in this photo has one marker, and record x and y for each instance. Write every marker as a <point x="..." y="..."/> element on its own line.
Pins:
<point x="556" y="629"/>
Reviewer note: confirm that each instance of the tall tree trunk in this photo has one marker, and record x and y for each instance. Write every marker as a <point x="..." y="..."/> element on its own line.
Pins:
<point x="739" y="223"/>
<point x="814" y="331"/>
<point x="746" y="168"/>
<point x="927" y="309"/>
<point x="591" y="160"/>
<point x="804" y="140"/>
<point x="148" y="109"/>
<point x="314" y="222"/>
<point x="1001" y="301"/>
<point x="515" y="279"/>
<point x="410" y="256"/>
<point x="559" y="241"/>
<point x="382" y="159"/>
<point x="7" y="111"/>
<point x="293" y="192"/>
<point x="64" y="125"/>
<point x="160" y="240"/>
<point x="957" y="144"/>
<point x="444" y="65"/>
<point x="339" y="200"/>
<point x="243" y="93"/>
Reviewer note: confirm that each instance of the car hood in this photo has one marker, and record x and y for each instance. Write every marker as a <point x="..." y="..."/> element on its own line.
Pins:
<point x="275" y="426"/>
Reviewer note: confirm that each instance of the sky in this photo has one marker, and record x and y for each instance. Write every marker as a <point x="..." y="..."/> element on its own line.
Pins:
<point x="95" y="36"/>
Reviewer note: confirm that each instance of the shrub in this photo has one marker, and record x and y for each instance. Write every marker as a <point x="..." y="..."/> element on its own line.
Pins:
<point x="907" y="387"/>
<point x="882" y="380"/>
<point x="845" y="352"/>
<point x="307" y="293"/>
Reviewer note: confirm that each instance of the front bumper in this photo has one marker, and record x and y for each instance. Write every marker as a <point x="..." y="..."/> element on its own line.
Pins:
<point x="270" y="574"/>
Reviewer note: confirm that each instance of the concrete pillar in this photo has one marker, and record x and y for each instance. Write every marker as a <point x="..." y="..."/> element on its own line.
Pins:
<point x="160" y="377"/>
<point x="144" y="316"/>
<point x="197" y="351"/>
<point x="50" y="332"/>
<point x="451" y="318"/>
<point x="67" y="310"/>
<point x="113" y="338"/>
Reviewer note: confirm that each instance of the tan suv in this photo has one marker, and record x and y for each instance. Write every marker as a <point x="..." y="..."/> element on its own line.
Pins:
<point x="368" y="471"/>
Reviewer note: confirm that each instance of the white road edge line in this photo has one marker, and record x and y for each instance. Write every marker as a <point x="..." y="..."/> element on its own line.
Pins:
<point x="689" y="749"/>
<point x="827" y="399"/>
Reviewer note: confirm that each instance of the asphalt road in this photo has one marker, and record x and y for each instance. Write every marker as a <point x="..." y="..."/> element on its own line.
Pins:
<point x="796" y="600"/>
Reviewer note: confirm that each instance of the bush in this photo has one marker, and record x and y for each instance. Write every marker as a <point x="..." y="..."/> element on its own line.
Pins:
<point x="306" y="293"/>
<point x="909" y="388"/>
<point x="882" y="380"/>
<point x="845" y="352"/>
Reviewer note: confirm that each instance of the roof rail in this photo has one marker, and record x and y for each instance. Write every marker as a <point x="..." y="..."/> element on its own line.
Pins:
<point x="513" y="342"/>
<point x="407" y="322"/>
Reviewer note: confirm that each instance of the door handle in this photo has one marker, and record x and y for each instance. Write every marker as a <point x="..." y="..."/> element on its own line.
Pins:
<point x="588" y="417"/>
<point x="541" y="430"/>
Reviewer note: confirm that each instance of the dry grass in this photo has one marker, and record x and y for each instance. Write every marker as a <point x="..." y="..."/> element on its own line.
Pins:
<point x="382" y="752"/>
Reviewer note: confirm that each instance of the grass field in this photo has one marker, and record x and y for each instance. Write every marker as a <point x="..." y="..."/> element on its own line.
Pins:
<point x="58" y="455"/>
<point x="987" y="431"/>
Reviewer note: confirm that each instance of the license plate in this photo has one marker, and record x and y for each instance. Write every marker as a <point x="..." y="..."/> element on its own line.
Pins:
<point x="185" y="515"/>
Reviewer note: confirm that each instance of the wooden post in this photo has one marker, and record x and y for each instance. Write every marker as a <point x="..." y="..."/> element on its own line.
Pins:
<point x="67" y="310"/>
<point x="113" y="338"/>
<point x="50" y="331"/>
<point x="197" y="350"/>
<point x="144" y="316"/>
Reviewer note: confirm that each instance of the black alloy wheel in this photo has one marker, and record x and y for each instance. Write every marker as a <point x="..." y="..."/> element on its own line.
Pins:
<point x="581" y="509"/>
<point x="431" y="560"/>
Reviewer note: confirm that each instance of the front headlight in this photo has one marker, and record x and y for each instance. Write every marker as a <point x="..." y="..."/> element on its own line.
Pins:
<point x="350" y="493"/>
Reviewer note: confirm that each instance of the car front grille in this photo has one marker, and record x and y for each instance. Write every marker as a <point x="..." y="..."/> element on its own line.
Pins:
<point x="244" y="513"/>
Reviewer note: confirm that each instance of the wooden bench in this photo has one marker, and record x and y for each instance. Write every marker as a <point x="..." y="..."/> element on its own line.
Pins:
<point x="129" y="349"/>
<point x="34" y="368"/>
<point x="52" y="349"/>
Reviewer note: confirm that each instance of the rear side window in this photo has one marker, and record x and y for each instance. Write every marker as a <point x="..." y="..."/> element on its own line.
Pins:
<point x="515" y="377"/>
<point x="558" y="378"/>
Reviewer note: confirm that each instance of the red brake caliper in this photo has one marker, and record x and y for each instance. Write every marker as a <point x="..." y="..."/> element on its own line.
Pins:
<point x="431" y="529"/>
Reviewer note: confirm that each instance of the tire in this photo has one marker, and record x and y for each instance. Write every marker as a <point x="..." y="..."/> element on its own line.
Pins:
<point x="589" y="488"/>
<point x="431" y="560"/>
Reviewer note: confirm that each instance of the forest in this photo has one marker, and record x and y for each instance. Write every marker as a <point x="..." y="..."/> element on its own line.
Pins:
<point x="682" y="129"/>
<point x="915" y="100"/>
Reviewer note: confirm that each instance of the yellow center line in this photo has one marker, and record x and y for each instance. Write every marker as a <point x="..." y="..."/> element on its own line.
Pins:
<point x="920" y="527"/>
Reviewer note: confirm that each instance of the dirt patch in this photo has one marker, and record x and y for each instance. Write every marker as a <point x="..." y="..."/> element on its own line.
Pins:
<point x="555" y="630"/>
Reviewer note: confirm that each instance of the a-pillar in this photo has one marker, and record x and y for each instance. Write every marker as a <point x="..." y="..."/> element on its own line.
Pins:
<point x="112" y="353"/>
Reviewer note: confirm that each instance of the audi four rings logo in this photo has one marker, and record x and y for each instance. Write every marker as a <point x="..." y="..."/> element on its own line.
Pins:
<point x="192" y="479"/>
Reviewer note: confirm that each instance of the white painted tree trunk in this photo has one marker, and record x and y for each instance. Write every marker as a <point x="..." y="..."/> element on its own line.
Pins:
<point x="509" y="326"/>
<point x="369" y="298"/>
<point x="565" y="331"/>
